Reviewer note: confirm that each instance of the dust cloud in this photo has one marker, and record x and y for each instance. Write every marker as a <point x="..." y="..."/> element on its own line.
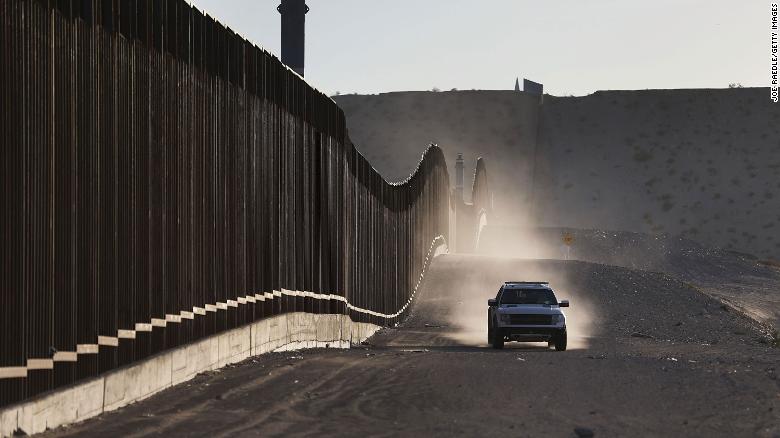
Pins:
<point x="512" y="254"/>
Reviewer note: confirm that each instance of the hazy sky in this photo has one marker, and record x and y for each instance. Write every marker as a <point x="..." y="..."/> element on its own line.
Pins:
<point x="572" y="46"/>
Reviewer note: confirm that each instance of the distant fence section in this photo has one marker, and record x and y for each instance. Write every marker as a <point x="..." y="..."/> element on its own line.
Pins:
<point x="164" y="180"/>
<point x="472" y="217"/>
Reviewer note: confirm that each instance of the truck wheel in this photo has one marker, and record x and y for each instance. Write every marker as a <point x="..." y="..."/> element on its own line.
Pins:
<point x="498" y="339"/>
<point x="560" y="341"/>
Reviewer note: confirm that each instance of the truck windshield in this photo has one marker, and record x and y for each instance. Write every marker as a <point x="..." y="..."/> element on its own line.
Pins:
<point x="528" y="296"/>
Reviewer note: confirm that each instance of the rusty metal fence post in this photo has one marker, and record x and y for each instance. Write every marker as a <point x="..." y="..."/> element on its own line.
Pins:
<point x="160" y="174"/>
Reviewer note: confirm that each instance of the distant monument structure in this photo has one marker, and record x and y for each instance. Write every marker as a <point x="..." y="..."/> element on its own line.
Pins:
<point x="533" y="87"/>
<point x="293" y="33"/>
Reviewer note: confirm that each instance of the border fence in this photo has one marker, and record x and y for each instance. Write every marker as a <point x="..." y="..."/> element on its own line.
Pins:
<point x="157" y="166"/>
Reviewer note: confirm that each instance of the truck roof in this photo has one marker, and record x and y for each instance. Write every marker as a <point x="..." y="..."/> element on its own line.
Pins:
<point x="527" y="284"/>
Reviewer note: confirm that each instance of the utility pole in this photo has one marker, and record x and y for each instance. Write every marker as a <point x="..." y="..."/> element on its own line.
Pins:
<point x="293" y="33"/>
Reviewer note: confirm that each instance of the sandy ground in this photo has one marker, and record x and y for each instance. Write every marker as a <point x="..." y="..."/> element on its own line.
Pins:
<point x="649" y="356"/>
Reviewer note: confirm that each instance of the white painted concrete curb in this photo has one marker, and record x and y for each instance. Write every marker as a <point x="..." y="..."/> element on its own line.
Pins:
<point x="140" y="380"/>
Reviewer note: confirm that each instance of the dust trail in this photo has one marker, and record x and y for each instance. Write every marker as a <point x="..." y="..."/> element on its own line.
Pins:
<point x="514" y="254"/>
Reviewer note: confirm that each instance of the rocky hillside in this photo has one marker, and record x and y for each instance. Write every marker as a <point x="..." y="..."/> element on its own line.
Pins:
<point x="702" y="164"/>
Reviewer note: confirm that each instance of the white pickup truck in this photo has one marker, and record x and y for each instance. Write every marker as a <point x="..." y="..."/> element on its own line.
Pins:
<point x="526" y="311"/>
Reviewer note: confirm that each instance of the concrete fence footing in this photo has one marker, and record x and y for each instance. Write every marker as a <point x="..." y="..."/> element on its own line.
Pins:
<point x="118" y="388"/>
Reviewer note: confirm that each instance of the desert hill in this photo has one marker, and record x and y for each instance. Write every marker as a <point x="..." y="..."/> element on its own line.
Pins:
<point x="701" y="164"/>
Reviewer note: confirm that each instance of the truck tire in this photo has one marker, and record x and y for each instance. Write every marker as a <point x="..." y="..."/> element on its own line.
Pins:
<point x="498" y="339"/>
<point x="560" y="341"/>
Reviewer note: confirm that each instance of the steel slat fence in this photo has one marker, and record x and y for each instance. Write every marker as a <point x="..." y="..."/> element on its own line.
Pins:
<point x="153" y="164"/>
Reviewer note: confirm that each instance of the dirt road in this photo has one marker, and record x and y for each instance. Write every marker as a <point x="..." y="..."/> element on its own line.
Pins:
<point x="649" y="356"/>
